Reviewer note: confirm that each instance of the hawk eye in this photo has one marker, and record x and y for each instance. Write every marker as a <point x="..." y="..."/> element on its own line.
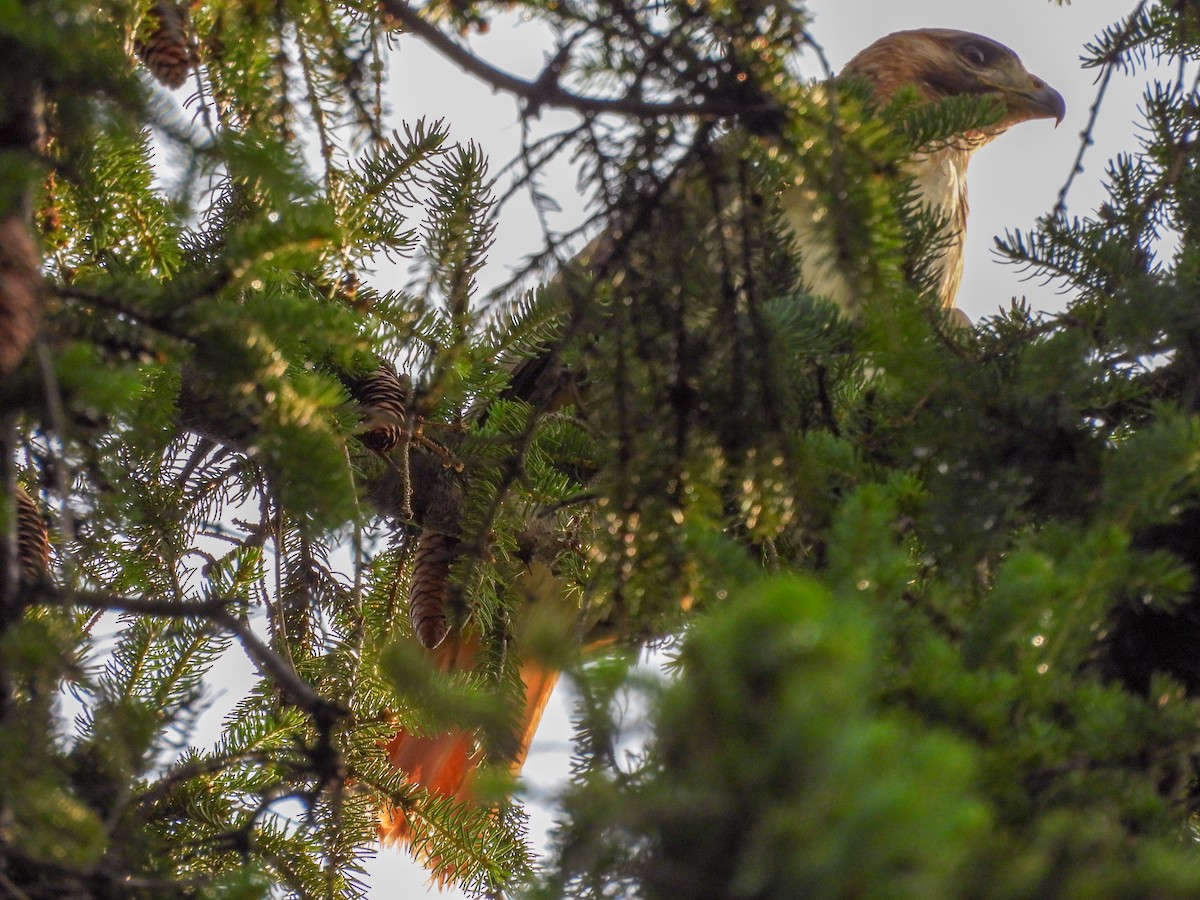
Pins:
<point x="973" y="54"/>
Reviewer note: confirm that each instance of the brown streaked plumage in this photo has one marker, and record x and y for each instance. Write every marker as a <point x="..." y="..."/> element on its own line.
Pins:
<point x="938" y="63"/>
<point x="942" y="62"/>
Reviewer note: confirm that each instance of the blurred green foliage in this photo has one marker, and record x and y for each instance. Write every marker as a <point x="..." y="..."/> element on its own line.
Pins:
<point x="930" y="593"/>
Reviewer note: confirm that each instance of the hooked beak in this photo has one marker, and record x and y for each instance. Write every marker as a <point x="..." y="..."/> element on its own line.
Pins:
<point x="1034" y="99"/>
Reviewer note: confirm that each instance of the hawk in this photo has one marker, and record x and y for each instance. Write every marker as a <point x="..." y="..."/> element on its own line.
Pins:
<point x="937" y="64"/>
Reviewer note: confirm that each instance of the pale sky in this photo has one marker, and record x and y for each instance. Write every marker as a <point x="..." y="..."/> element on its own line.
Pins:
<point x="1011" y="183"/>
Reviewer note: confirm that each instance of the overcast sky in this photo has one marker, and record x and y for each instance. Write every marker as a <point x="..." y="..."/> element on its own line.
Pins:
<point x="1012" y="181"/>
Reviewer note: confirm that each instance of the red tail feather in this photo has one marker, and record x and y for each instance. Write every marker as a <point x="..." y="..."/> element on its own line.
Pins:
<point x="444" y="765"/>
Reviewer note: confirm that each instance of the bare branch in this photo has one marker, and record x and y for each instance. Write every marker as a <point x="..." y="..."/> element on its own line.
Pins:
<point x="1085" y="137"/>
<point x="546" y="91"/>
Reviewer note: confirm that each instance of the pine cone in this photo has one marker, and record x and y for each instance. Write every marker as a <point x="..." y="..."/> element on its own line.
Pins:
<point x="383" y="396"/>
<point x="20" y="291"/>
<point x="429" y="589"/>
<point x="383" y="399"/>
<point x="33" y="540"/>
<point x="166" y="51"/>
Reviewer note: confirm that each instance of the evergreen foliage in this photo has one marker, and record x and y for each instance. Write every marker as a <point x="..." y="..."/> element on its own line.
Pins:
<point x="934" y="592"/>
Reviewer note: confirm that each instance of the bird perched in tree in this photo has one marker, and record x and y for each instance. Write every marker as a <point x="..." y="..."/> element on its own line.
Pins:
<point x="936" y="64"/>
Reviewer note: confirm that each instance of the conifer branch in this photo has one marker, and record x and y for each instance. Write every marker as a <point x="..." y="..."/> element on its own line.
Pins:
<point x="1111" y="63"/>
<point x="144" y="606"/>
<point x="324" y="712"/>
<point x="216" y="610"/>
<point x="607" y="255"/>
<point x="546" y="91"/>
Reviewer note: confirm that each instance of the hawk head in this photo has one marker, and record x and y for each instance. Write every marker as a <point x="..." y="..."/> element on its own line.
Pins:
<point x="942" y="62"/>
<point x="937" y="63"/>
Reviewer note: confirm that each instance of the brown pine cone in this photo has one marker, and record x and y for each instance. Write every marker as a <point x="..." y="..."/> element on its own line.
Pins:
<point x="429" y="589"/>
<point x="383" y="396"/>
<point x="33" y="540"/>
<point x="166" y="50"/>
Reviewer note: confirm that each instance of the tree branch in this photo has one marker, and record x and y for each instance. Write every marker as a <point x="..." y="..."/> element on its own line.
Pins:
<point x="323" y="711"/>
<point x="1085" y="136"/>
<point x="546" y="91"/>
